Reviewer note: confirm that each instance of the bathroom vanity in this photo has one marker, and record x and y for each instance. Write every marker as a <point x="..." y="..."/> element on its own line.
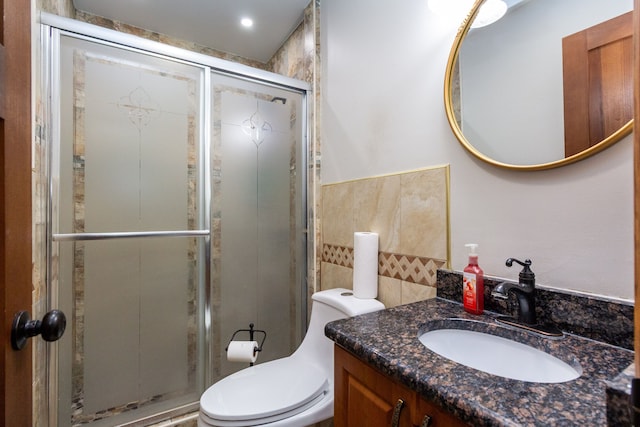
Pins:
<point x="366" y="397"/>
<point x="379" y="360"/>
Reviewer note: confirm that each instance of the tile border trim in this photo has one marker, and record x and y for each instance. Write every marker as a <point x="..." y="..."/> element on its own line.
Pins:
<point x="408" y="268"/>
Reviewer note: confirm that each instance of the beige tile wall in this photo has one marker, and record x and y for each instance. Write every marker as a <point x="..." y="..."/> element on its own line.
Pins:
<point x="410" y="213"/>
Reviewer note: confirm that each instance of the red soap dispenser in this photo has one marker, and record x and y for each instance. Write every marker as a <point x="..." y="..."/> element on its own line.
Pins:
<point x="473" y="283"/>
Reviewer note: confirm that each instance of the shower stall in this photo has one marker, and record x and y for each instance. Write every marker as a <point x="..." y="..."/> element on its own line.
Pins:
<point x="176" y="215"/>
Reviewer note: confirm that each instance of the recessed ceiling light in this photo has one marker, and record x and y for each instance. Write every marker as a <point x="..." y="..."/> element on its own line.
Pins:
<point x="246" y="22"/>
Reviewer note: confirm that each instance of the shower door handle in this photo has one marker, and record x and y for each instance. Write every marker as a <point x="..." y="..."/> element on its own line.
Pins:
<point x="51" y="328"/>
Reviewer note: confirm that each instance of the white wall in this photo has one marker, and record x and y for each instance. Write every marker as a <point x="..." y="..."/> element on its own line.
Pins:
<point x="383" y="71"/>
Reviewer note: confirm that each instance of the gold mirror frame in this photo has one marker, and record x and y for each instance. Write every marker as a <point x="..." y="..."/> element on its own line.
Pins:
<point x="448" y="105"/>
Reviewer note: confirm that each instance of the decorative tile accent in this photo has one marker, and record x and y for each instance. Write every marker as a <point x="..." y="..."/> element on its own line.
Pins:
<point x="409" y="268"/>
<point x="339" y="255"/>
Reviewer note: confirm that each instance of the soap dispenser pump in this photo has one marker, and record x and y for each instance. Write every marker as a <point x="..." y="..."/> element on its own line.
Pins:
<point x="473" y="283"/>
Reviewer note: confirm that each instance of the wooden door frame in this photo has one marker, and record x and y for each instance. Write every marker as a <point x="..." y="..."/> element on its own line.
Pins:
<point x="15" y="207"/>
<point x="636" y="180"/>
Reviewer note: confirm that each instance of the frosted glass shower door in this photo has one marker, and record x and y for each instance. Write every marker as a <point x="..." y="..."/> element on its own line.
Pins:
<point x="129" y="233"/>
<point x="258" y="211"/>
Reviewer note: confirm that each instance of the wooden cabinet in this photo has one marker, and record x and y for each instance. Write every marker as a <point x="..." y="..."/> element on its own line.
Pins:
<point x="365" y="397"/>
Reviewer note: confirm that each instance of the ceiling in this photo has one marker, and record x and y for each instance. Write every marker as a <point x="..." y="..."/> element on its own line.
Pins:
<point x="211" y="23"/>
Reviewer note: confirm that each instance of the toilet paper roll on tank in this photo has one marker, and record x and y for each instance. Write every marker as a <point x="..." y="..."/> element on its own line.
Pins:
<point x="365" y="264"/>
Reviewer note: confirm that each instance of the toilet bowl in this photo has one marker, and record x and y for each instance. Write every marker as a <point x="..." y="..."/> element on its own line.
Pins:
<point x="294" y="391"/>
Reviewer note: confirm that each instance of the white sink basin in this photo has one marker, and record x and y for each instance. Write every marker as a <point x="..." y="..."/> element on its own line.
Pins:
<point x="498" y="356"/>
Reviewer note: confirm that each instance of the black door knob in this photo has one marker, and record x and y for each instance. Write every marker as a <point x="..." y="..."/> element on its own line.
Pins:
<point x="51" y="328"/>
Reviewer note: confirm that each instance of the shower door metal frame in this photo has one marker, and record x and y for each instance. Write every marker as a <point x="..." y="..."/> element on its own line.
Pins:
<point x="52" y="28"/>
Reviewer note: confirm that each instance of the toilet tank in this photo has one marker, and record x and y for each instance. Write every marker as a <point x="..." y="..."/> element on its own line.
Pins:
<point x="330" y="305"/>
<point x="344" y="301"/>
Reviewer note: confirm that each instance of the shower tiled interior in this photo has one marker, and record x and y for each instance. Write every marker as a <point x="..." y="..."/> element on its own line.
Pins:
<point x="409" y="211"/>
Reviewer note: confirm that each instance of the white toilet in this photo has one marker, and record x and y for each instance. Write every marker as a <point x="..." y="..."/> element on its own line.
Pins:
<point x="294" y="391"/>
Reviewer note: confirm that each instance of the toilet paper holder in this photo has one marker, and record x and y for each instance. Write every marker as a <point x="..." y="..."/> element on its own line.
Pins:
<point x="252" y="332"/>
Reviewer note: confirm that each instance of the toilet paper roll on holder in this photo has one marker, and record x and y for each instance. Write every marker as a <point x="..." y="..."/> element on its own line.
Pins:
<point x="252" y="333"/>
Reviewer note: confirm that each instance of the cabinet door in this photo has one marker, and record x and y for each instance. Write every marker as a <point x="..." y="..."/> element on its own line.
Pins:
<point x="366" y="398"/>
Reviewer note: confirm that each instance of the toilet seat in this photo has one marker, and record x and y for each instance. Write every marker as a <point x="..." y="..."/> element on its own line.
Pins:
<point x="264" y="393"/>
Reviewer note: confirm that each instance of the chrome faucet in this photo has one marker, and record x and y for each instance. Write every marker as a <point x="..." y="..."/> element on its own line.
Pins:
<point x="525" y="291"/>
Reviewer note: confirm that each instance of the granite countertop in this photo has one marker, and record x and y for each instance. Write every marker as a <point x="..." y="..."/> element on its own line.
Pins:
<point x="388" y="341"/>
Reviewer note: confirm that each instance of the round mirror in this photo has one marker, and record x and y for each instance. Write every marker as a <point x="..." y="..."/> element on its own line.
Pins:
<point x="549" y="84"/>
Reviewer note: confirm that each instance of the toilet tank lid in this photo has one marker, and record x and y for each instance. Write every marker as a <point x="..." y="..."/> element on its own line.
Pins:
<point x="345" y="301"/>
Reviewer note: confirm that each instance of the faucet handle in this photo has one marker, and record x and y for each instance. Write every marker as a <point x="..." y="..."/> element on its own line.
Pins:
<point x="525" y="264"/>
<point x="527" y="277"/>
